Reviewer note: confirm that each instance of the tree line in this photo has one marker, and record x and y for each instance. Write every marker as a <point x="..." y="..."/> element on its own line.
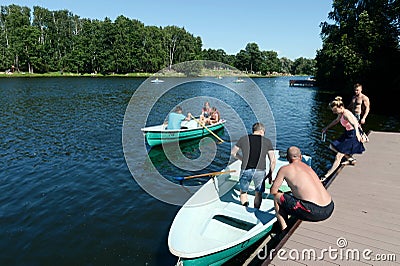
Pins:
<point x="362" y="46"/>
<point x="49" y="41"/>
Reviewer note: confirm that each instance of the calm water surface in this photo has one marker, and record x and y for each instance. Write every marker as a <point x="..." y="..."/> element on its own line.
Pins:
<point x="67" y="195"/>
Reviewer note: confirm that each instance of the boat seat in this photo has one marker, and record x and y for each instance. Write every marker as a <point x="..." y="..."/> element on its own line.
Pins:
<point x="238" y="211"/>
<point x="189" y="124"/>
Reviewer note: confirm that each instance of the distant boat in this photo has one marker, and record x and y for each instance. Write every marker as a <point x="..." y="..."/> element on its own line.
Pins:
<point x="239" y="80"/>
<point x="157" y="81"/>
<point x="302" y="82"/>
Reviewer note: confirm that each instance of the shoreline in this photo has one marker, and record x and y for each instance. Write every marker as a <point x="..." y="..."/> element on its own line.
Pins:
<point x="140" y="75"/>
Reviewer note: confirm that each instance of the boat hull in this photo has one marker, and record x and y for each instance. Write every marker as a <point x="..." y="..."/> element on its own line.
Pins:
<point x="223" y="256"/>
<point x="158" y="137"/>
<point x="212" y="226"/>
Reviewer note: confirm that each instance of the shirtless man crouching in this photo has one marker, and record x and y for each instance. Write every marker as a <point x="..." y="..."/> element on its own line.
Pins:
<point x="309" y="201"/>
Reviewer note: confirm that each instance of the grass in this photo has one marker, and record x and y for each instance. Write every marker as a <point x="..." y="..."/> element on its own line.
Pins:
<point x="69" y="74"/>
<point x="204" y="73"/>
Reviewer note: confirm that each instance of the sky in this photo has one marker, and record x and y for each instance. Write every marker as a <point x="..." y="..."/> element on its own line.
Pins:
<point x="289" y="27"/>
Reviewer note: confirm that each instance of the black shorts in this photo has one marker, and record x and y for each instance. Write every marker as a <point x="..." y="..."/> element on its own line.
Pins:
<point x="305" y="210"/>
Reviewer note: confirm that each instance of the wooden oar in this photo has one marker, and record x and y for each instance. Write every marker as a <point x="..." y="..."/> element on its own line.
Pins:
<point x="204" y="126"/>
<point x="201" y="175"/>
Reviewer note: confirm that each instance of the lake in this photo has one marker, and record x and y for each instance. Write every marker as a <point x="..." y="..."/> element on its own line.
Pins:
<point x="79" y="186"/>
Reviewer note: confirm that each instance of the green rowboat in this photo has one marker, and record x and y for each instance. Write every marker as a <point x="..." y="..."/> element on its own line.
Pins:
<point x="157" y="135"/>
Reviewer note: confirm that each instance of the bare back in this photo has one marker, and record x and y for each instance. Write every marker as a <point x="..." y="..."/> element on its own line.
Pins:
<point x="304" y="183"/>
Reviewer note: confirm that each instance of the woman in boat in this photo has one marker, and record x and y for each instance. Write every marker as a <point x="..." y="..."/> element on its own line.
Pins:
<point x="205" y="112"/>
<point x="350" y="141"/>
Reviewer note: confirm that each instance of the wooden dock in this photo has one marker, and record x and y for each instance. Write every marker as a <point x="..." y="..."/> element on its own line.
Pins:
<point x="365" y="226"/>
<point x="302" y="83"/>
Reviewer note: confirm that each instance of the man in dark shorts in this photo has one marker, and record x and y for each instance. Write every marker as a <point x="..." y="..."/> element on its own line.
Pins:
<point x="360" y="104"/>
<point x="309" y="200"/>
<point x="255" y="150"/>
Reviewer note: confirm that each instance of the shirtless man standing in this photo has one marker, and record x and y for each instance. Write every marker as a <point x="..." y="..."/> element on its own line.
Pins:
<point x="357" y="102"/>
<point x="309" y="200"/>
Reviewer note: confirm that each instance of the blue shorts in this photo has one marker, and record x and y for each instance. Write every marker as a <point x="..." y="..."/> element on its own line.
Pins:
<point x="251" y="174"/>
<point x="358" y="116"/>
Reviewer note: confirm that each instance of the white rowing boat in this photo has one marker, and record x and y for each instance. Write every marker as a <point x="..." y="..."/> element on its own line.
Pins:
<point x="157" y="80"/>
<point x="213" y="227"/>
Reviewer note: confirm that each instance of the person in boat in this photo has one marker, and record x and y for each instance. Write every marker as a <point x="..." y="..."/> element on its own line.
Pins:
<point x="359" y="104"/>
<point x="214" y="117"/>
<point x="350" y="142"/>
<point x="176" y="117"/>
<point x="308" y="200"/>
<point x="254" y="150"/>
<point x="205" y="112"/>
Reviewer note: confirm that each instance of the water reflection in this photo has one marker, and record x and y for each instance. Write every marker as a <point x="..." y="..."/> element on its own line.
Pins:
<point x="65" y="182"/>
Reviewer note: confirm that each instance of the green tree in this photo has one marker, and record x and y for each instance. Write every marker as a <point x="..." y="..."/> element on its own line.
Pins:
<point x="129" y="47"/>
<point x="154" y="57"/>
<point x="361" y="45"/>
<point x="303" y="66"/>
<point x="30" y="48"/>
<point x="271" y="62"/>
<point x="286" y="65"/>
<point x="62" y="41"/>
<point x="250" y="59"/>
<point x="242" y="61"/>
<point x="15" y="21"/>
<point x="214" y="55"/>
<point x="106" y="54"/>
<point x="42" y="20"/>
<point x="255" y="56"/>
<point x="181" y="45"/>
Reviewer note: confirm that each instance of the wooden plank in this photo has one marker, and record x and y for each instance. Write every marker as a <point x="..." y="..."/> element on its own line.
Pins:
<point x="320" y="254"/>
<point x="366" y="206"/>
<point x="287" y="263"/>
<point x="364" y="217"/>
<point x="256" y="252"/>
<point x="331" y="239"/>
<point x="342" y="227"/>
<point x="311" y="249"/>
